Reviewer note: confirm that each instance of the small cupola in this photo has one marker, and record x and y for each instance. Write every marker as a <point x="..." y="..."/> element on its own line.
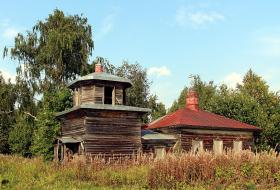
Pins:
<point x="192" y="100"/>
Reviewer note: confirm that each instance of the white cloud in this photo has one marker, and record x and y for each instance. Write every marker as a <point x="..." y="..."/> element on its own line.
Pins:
<point x="233" y="79"/>
<point x="159" y="71"/>
<point x="184" y="17"/>
<point x="10" y="33"/>
<point x="107" y="25"/>
<point x="270" y="45"/>
<point x="7" y="75"/>
<point x="4" y="23"/>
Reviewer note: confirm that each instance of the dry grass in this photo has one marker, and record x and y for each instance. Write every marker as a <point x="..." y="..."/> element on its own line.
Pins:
<point x="245" y="170"/>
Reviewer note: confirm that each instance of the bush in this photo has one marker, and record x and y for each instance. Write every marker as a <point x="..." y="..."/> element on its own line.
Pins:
<point x="245" y="170"/>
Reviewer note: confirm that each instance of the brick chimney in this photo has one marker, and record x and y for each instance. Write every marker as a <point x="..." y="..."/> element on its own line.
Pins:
<point x="98" y="68"/>
<point x="192" y="100"/>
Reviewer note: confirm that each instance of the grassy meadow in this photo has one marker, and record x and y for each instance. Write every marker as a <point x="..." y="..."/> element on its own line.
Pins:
<point x="244" y="170"/>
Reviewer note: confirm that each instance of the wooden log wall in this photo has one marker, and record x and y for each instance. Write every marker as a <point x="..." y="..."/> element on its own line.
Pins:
<point x="187" y="137"/>
<point x="94" y="93"/>
<point x="73" y="127"/>
<point x="110" y="133"/>
<point x="87" y="94"/>
<point x="98" y="95"/>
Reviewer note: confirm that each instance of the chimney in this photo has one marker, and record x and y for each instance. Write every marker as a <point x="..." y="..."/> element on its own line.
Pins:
<point x="192" y="100"/>
<point x="98" y="68"/>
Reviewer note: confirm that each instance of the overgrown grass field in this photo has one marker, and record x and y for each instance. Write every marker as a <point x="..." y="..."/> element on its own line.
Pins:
<point x="244" y="170"/>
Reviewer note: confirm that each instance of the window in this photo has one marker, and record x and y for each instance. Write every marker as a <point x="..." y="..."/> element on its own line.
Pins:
<point x="237" y="146"/>
<point x="197" y="146"/>
<point x="108" y="95"/>
<point x="218" y="146"/>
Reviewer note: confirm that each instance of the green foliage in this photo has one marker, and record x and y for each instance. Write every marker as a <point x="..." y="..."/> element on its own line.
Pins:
<point x="244" y="170"/>
<point x="55" y="51"/>
<point x="251" y="102"/>
<point x="20" y="137"/>
<point x="7" y="102"/>
<point x="158" y="108"/>
<point x="47" y="128"/>
<point x="138" y="94"/>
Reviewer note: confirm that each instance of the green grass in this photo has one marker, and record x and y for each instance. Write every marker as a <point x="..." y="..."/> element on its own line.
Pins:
<point x="186" y="171"/>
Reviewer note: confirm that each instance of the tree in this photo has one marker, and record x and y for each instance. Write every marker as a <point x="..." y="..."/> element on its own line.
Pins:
<point x="45" y="133"/>
<point x="251" y="102"/>
<point x="47" y="127"/>
<point x="138" y="94"/>
<point x="20" y="136"/>
<point x="54" y="52"/>
<point x="7" y="102"/>
<point x="205" y="92"/>
<point x="180" y="102"/>
<point x="158" y="108"/>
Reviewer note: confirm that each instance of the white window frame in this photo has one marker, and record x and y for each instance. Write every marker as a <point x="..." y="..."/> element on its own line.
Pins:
<point x="237" y="146"/>
<point x="197" y="146"/>
<point x="160" y="151"/>
<point x="218" y="147"/>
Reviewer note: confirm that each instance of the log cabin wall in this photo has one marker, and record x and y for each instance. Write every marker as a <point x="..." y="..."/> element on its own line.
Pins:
<point x="185" y="137"/>
<point x="208" y="136"/>
<point x="112" y="132"/>
<point x="94" y="93"/>
<point x="87" y="94"/>
<point x="73" y="127"/>
<point x="98" y="96"/>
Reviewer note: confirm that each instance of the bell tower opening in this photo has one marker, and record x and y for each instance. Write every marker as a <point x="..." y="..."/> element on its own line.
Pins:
<point x="108" y="92"/>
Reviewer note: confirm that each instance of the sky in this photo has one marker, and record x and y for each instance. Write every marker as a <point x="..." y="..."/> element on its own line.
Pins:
<point x="218" y="40"/>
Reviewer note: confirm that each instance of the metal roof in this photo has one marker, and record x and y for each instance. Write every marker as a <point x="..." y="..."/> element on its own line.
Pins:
<point x="151" y="135"/>
<point x="69" y="139"/>
<point x="100" y="76"/>
<point x="104" y="107"/>
<point x="200" y="120"/>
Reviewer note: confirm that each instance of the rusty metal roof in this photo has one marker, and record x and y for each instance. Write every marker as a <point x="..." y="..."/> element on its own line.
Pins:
<point x="201" y="120"/>
<point x="102" y="76"/>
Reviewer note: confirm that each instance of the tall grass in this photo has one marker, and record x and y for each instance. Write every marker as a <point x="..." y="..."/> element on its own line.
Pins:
<point x="244" y="170"/>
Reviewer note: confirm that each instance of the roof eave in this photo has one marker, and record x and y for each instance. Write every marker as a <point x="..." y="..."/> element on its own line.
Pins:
<point x="256" y="129"/>
<point x="102" y="107"/>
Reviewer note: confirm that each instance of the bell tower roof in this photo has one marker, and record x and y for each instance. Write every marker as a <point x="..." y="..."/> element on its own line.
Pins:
<point x="99" y="76"/>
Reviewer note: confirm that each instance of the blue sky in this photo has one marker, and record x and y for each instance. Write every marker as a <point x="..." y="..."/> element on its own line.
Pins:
<point x="219" y="40"/>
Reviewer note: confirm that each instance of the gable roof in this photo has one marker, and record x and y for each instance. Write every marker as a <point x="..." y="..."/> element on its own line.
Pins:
<point x="199" y="119"/>
<point x="102" y="76"/>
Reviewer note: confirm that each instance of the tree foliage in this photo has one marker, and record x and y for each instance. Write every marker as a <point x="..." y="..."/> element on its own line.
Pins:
<point x="20" y="136"/>
<point x="7" y="102"/>
<point x="251" y="102"/>
<point x="138" y="94"/>
<point x="54" y="52"/>
<point x="158" y="108"/>
<point x="47" y="127"/>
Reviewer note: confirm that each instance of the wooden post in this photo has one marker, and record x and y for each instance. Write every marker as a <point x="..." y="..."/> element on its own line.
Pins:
<point x="57" y="150"/>
<point x="114" y="96"/>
